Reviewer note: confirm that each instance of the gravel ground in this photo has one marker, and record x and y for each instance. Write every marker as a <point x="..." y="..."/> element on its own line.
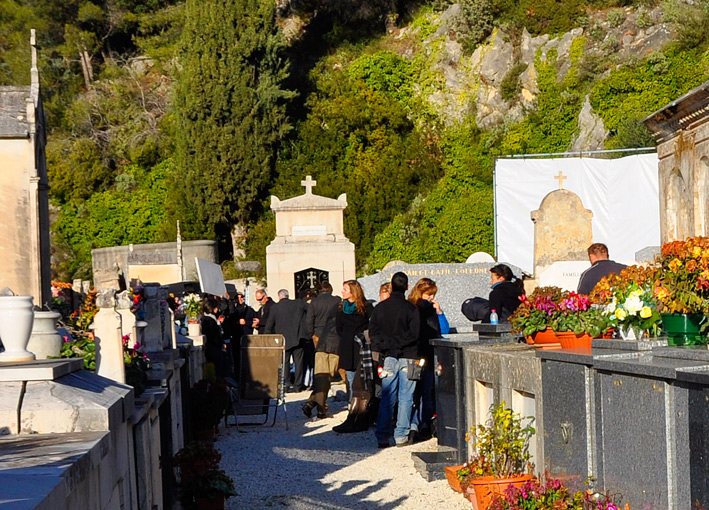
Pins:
<point x="309" y="467"/>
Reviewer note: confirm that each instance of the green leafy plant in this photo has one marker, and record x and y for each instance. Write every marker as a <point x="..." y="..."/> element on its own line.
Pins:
<point x="83" y="347"/>
<point x="208" y="402"/>
<point x="211" y="485"/>
<point x="196" y="459"/>
<point x="503" y="441"/>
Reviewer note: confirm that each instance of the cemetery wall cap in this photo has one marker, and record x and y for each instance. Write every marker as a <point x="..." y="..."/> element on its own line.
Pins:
<point x="6" y="291"/>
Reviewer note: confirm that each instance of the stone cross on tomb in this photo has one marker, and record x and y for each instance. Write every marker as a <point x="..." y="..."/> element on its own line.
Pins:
<point x="309" y="184"/>
<point x="561" y="178"/>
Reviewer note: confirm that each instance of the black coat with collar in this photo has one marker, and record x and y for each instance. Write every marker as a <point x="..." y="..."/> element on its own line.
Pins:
<point x="320" y="321"/>
<point x="394" y="327"/>
<point x="287" y="318"/>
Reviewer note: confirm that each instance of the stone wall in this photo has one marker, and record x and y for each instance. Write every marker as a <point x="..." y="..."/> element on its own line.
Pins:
<point x="111" y="265"/>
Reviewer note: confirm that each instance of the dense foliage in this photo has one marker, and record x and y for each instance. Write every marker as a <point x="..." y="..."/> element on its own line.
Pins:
<point x="230" y="114"/>
<point x="167" y="110"/>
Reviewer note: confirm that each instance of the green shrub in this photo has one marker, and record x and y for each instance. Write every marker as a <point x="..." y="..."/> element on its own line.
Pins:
<point x="510" y="86"/>
<point x="475" y="22"/>
<point x="616" y="17"/>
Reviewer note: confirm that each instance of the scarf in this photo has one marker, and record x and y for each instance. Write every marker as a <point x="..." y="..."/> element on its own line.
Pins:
<point x="349" y="307"/>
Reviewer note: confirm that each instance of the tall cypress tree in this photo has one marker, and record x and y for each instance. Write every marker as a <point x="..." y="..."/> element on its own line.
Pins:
<point x="229" y="114"/>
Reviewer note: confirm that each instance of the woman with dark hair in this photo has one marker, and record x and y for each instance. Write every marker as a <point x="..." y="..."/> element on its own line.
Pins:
<point x="352" y="319"/>
<point x="214" y="347"/>
<point x="433" y="325"/>
<point x="506" y="292"/>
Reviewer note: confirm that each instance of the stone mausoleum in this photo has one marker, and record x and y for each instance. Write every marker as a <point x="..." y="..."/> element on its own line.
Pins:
<point x="682" y="131"/>
<point x="24" y="230"/>
<point x="310" y="245"/>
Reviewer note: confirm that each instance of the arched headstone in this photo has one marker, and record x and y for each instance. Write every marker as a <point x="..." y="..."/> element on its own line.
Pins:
<point x="479" y="256"/>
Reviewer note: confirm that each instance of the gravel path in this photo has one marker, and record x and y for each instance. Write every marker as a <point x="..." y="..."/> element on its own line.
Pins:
<point x="309" y="467"/>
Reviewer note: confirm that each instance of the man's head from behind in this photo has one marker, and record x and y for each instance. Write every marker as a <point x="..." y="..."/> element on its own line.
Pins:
<point x="596" y="252"/>
<point x="399" y="282"/>
<point x="326" y="287"/>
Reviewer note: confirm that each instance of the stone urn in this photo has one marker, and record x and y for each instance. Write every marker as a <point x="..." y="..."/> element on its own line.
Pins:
<point x="45" y="340"/>
<point x="16" y="317"/>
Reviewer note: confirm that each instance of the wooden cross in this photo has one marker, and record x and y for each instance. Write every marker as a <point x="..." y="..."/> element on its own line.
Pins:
<point x="309" y="184"/>
<point x="561" y="178"/>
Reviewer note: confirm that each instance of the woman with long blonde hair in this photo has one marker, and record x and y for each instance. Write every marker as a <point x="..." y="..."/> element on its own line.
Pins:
<point x="433" y="325"/>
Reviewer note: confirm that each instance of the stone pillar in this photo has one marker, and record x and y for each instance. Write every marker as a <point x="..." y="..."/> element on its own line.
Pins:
<point x="128" y="320"/>
<point x="109" y="338"/>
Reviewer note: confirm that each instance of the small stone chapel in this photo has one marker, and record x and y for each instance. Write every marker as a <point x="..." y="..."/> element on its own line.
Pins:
<point x="310" y="245"/>
<point x="24" y="194"/>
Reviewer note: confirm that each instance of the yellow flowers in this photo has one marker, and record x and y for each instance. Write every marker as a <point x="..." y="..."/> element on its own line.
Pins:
<point x="621" y="314"/>
<point x="675" y="264"/>
<point x="646" y="312"/>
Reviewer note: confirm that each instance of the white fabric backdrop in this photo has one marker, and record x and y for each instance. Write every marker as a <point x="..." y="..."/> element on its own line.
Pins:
<point x="622" y="193"/>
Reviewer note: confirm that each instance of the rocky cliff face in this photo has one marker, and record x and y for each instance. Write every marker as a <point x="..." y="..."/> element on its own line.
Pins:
<point x="474" y="81"/>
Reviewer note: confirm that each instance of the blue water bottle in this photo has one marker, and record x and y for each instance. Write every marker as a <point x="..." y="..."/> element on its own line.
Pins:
<point x="493" y="316"/>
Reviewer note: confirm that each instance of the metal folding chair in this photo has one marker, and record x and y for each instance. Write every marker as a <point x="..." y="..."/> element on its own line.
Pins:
<point x="260" y="385"/>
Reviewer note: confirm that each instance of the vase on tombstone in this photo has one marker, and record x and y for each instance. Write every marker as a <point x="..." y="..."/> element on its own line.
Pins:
<point x="194" y="329"/>
<point x="45" y="340"/>
<point x="16" y="317"/>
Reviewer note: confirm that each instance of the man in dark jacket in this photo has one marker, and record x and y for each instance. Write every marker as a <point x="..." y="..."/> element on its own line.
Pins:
<point x="394" y="330"/>
<point x="287" y="318"/>
<point x="320" y="326"/>
<point x="600" y="267"/>
<point x="262" y="314"/>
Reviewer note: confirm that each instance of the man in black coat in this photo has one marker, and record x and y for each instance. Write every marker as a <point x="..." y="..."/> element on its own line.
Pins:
<point x="287" y="318"/>
<point x="394" y="330"/>
<point x="262" y="314"/>
<point x="600" y="266"/>
<point x="320" y="326"/>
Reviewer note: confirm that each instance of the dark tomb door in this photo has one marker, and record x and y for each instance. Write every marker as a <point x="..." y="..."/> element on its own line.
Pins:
<point x="310" y="279"/>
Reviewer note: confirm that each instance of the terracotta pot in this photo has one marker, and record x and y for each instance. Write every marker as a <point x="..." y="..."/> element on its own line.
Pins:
<point x="570" y="340"/>
<point x="452" y="477"/>
<point x="210" y="504"/>
<point x="548" y="336"/>
<point x="486" y="487"/>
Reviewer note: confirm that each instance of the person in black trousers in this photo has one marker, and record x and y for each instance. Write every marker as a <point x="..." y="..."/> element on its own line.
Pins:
<point x="287" y="318"/>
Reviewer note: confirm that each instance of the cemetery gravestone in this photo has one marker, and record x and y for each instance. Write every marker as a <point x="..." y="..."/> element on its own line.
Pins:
<point x="455" y="282"/>
<point x="562" y="230"/>
<point x="564" y="275"/>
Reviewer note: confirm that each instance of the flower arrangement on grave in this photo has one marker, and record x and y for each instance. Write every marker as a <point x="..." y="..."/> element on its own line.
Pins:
<point x="61" y="298"/>
<point x="137" y="302"/>
<point x="83" y="346"/>
<point x="537" y="311"/>
<point x="208" y="403"/>
<point x="550" y="307"/>
<point x="682" y="284"/>
<point x="501" y="453"/>
<point x="82" y="318"/>
<point x="200" y="476"/>
<point x="193" y="307"/>
<point x="629" y="301"/>
<point x="137" y="365"/>
<point x="552" y="495"/>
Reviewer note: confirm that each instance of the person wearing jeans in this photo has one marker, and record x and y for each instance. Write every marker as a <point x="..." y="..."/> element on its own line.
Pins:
<point x="394" y="331"/>
<point x="396" y="388"/>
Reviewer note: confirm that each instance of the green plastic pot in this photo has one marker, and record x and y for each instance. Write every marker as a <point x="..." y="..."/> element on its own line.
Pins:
<point x="684" y="329"/>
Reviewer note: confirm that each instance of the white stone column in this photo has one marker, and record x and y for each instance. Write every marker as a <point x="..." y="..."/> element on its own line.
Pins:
<point x="109" y="338"/>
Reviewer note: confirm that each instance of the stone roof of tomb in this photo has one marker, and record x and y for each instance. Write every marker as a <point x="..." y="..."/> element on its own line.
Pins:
<point x="13" y="112"/>
<point x="683" y="113"/>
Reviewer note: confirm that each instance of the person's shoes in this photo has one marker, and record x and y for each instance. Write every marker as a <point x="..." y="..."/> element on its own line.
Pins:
<point x="298" y="389"/>
<point x="308" y="409"/>
<point x="381" y="446"/>
<point x="290" y="389"/>
<point x="410" y="439"/>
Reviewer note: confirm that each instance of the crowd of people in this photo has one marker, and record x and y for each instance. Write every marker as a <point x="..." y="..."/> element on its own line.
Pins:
<point x="383" y="353"/>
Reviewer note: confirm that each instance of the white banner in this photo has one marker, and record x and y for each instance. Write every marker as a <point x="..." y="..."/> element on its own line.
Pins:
<point x="622" y="193"/>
